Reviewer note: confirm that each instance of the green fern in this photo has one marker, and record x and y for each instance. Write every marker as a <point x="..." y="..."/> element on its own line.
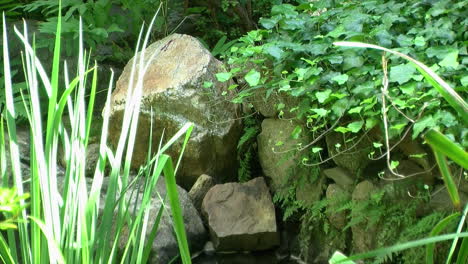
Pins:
<point x="246" y="151"/>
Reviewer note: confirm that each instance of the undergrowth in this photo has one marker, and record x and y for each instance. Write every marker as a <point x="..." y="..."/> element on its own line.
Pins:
<point x="247" y="149"/>
<point x="392" y="219"/>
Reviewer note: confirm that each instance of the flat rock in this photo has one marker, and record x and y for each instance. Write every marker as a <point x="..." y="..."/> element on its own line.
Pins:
<point x="241" y="216"/>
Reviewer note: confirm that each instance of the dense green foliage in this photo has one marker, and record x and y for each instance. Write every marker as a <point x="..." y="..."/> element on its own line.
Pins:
<point x="293" y="55"/>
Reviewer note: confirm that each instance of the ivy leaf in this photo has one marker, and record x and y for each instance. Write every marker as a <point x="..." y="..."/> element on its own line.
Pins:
<point x="398" y="127"/>
<point x="335" y="59"/>
<point x="419" y="41"/>
<point x="377" y="144"/>
<point x="355" y="126"/>
<point x="296" y="132"/>
<point x="464" y="81"/>
<point x="401" y="73"/>
<point x="408" y="88"/>
<point x="223" y="76"/>
<point x="394" y="164"/>
<point x="341" y="129"/>
<point x="371" y="122"/>
<point x="322" y="96"/>
<point x="340" y="79"/>
<point x="207" y="84"/>
<point x="338" y="31"/>
<point x="352" y="61"/>
<point x="274" y="51"/>
<point x="450" y="60"/>
<point x="320" y="111"/>
<point x="269" y="23"/>
<point x="300" y="73"/>
<point x="285" y="9"/>
<point x="355" y="110"/>
<point x="317" y="149"/>
<point x="252" y="77"/>
<point x="318" y="49"/>
<point x="422" y="124"/>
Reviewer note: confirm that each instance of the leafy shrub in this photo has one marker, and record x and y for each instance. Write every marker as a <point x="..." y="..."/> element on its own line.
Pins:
<point x="101" y="19"/>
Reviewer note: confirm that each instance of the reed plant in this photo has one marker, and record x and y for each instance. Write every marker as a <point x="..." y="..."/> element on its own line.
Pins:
<point x="65" y="225"/>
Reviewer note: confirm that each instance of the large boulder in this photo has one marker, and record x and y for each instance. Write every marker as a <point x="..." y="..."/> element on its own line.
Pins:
<point x="241" y="216"/>
<point x="277" y="151"/>
<point x="174" y="90"/>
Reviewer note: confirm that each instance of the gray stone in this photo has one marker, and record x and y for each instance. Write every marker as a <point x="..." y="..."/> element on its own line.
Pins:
<point x="355" y="153"/>
<point x="279" y="161"/>
<point x="165" y="246"/>
<point x="309" y="192"/>
<point x="364" y="235"/>
<point x="174" y="90"/>
<point x="92" y="158"/>
<point x="441" y="201"/>
<point x="209" y="249"/>
<point x="241" y="216"/>
<point x="199" y="190"/>
<point x="268" y="107"/>
<point x="340" y="176"/>
<point x="336" y="195"/>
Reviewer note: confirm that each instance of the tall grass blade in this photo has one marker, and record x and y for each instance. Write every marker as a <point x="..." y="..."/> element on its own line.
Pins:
<point x="435" y="231"/>
<point x="455" y="240"/>
<point x="463" y="252"/>
<point x="176" y="210"/>
<point x="400" y="247"/>
<point x="446" y="147"/>
<point x="5" y="254"/>
<point x="448" y="180"/>
<point x="14" y="152"/>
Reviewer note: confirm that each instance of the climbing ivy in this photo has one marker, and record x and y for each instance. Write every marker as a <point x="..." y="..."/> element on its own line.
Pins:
<point x="293" y="55"/>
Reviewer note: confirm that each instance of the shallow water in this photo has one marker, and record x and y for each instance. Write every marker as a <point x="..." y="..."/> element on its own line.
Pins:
<point x="265" y="257"/>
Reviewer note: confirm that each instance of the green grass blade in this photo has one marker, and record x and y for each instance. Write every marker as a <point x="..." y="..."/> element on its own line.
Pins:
<point x="448" y="180"/>
<point x="463" y="252"/>
<point x="455" y="240"/>
<point x="14" y="151"/>
<point x="152" y="236"/>
<point x="91" y="103"/>
<point x="53" y="247"/>
<point x="176" y="210"/>
<point x="5" y="254"/>
<point x="403" y="246"/>
<point x="445" y="146"/>
<point x="54" y="79"/>
<point x="435" y="231"/>
<point x="454" y="99"/>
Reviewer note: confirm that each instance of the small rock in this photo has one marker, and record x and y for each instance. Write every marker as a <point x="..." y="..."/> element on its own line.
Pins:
<point x="92" y="158"/>
<point x="241" y="216"/>
<point x="340" y="176"/>
<point x="364" y="236"/>
<point x="335" y="194"/>
<point x="199" y="190"/>
<point x="209" y="249"/>
<point x="310" y="192"/>
<point x="440" y="200"/>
